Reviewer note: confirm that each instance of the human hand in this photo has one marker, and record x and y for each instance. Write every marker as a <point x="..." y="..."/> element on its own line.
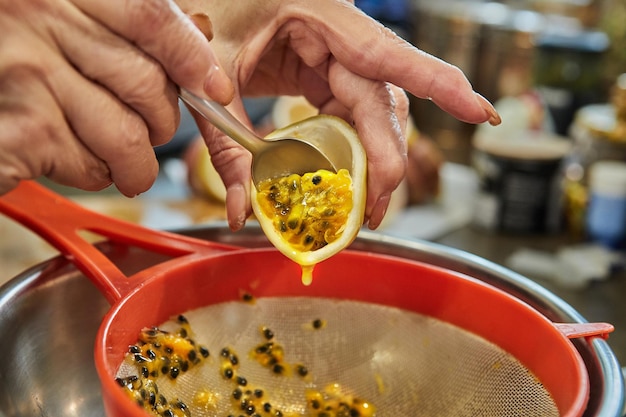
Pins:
<point x="87" y="87"/>
<point x="345" y="64"/>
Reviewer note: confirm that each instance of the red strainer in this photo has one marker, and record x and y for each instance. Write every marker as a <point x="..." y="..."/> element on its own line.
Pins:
<point x="411" y="338"/>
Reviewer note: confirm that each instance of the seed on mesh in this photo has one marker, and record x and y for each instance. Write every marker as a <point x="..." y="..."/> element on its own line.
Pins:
<point x="302" y="370"/>
<point x="203" y="351"/>
<point x="237" y="394"/>
<point x="318" y="323"/>
<point x="278" y="369"/>
<point x="267" y="333"/>
<point x="228" y="373"/>
<point x="242" y="381"/>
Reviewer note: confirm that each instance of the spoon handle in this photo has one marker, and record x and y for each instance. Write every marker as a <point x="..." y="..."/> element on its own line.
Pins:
<point x="223" y="120"/>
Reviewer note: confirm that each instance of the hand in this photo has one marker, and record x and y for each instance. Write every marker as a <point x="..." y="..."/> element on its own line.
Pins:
<point x="87" y="87"/>
<point x="344" y="63"/>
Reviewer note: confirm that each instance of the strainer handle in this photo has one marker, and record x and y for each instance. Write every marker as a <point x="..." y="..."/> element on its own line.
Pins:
<point x="58" y="221"/>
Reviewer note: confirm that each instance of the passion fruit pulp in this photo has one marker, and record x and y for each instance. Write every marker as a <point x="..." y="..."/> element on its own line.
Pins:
<point x="312" y="217"/>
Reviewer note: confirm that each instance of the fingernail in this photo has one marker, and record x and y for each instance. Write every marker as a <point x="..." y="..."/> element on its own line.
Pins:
<point x="203" y="22"/>
<point x="492" y="115"/>
<point x="218" y="85"/>
<point x="236" y="206"/>
<point x="379" y="211"/>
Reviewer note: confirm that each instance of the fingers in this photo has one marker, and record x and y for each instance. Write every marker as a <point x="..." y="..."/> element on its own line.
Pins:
<point x="162" y="31"/>
<point x="233" y="164"/>
<point x="36" y="141"/>
<point x="375" y="108"/>
<point x="110" y="130"/>
<point x="59" y="124"/>
<point x="369" y="49"/>
<point x="130" y="76"/>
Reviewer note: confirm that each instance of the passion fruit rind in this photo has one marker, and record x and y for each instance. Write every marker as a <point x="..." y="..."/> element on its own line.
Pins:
<point x="307" y="245"/>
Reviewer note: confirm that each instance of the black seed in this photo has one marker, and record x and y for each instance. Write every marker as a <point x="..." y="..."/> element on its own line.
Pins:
<point x="317" y="324"/>
<point x="151" y="355"/>
<point x="225" y="352"/>
<point x="278" y="413"/>
<point x="168" y="413"/>
<point x="233" y="359"/>
<point x="180" y="405"/>
<point x="315" y="404"/>
<point x="354" y="413"/>
<point x="168" y="350"/>
<point x="237" y="394"/>
<point x="204" y="351"/>
<point x="182" y="319"/>
<point x="316" y="179"/>
<point x="192" y="355"/>
<point x="228" y="373"/>
<point x="250" y="409"/>
<point x="267" y="407"/>
<point x="247" y="297"/>
<point x="139" y="358"/>
<point x="242" y="381"/>
<point x="268" y="334"/>
<point x="184" y="366"/>
<point x="258" y="393"/>
<point x="162" y="400"/>
<point x="152" y="398"/>
<point x="278" y="369"/>
<point x="174" y="372"/>
<point x="309" y="239"/>
<point x="264" y="348"/>
<point x="134" y="349"/>
<point x="145" y="372"/>
<point x="120" y="382"/>
<point x="302" y="370"/>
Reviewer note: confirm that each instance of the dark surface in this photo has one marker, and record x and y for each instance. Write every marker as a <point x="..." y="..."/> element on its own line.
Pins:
<point x="600" y="301"/>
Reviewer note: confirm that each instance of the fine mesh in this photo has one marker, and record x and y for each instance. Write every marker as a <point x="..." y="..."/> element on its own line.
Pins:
<point x="403" y="363"/>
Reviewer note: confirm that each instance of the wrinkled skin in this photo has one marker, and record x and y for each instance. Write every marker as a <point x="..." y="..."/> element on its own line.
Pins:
<point x="344" y="63"/>
<point x="88" y="87"/>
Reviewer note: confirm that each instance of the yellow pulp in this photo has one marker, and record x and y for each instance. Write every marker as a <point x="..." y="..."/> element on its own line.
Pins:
<point x="308" y="211"/>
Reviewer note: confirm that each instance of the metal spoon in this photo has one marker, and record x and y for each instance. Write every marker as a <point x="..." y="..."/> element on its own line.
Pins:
<point x="270" y="159"/>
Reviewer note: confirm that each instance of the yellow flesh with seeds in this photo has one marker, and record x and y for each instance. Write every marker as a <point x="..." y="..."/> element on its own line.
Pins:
<point x="309" y="211"/>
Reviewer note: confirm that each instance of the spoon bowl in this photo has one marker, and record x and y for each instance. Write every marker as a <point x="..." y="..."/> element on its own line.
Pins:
<point x="274" y="158"/>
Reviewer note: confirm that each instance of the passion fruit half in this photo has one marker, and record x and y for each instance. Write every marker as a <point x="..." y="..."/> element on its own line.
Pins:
<point x="313" y="216"/>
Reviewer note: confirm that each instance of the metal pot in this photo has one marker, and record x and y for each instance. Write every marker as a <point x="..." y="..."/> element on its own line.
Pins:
<point x="49" y="316"/>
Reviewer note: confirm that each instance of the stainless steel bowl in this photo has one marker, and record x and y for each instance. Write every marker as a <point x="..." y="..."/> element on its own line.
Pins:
<point x="49" y="316"/>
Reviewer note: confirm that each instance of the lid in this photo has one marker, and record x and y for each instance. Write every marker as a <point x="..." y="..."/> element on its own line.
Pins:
<point x="607" y="121"/>
<point x="526" y="145"/>
<point x="608" y="177"/>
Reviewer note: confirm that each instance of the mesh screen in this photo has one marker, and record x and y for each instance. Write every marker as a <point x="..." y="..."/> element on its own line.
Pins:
<point x="403" y="363"/>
